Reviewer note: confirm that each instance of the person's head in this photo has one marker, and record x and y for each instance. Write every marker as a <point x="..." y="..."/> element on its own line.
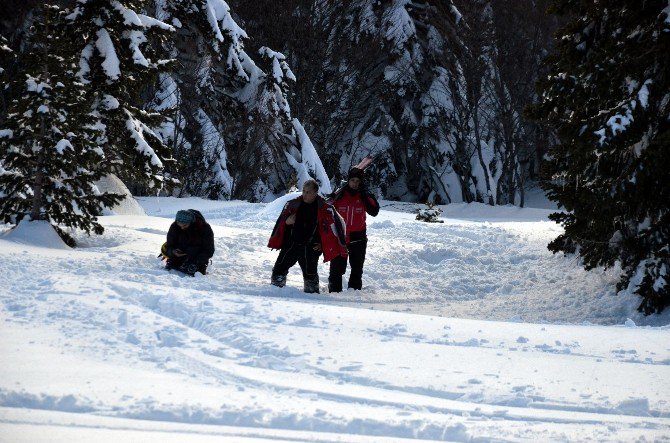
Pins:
<point x="184" y="219"/>
<point x="355" y="178"/>
<point x="310" y="190"/>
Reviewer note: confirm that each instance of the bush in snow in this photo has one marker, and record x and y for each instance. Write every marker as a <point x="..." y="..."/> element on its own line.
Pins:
<point x="429" y="214"/>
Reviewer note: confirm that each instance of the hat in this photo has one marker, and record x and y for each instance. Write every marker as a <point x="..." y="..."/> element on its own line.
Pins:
<point x="186" y="217"/>
<point x="356" y="173"/>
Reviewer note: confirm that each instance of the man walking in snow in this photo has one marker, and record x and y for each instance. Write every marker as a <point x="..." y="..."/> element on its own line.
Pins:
<point x="352" y="202"/>
<point x="306" y="227"/>
<point x="190" y="243"/>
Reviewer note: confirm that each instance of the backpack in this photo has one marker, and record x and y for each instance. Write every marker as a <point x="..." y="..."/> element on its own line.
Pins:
<point x="163" y="255"/>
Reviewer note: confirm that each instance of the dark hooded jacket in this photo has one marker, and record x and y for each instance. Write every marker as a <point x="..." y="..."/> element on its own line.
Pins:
<point x="329" y="229"/>
<point x="197" y="241"/>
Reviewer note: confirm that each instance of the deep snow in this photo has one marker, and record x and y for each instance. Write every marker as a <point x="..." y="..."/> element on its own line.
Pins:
<point x="512" y="344"/>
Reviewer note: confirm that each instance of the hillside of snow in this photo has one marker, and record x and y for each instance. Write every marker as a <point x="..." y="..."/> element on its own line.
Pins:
<point x="467" y="330"/>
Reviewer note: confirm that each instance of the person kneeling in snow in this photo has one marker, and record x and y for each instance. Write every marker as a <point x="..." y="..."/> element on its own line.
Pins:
<point x="306" y="227"/>
<point x="190" y="243"/>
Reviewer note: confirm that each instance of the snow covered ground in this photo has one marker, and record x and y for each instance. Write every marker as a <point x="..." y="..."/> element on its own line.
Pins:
<point x="469" y="330"/>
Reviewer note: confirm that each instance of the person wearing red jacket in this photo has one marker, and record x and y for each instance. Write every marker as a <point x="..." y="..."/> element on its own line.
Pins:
<point x="352" y="202"/>
<point x="306" y="227"/>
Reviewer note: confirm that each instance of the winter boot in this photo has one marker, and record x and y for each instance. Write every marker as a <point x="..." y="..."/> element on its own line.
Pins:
<point x="355" y="281"/>
<point x="189" y="269"/>
<point x="278" y="280"/>
<point x="311" y="285"/>
<point x="335" y="284"/>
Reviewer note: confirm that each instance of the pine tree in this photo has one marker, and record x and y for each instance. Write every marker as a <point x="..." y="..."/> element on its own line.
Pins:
<point x="236" y="104"/>
<point x="608" y="97"/>
<point x="121" y="59"/>
<point x="47" y="167"/>
<point x="400" y="79"/>
<point x="206" y="39"/>
<point x="6" y="57"/>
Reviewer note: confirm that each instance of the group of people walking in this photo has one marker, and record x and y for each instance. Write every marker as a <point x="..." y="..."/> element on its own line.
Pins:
<point x="310" y="225"/>
<point x="307" y="227"/>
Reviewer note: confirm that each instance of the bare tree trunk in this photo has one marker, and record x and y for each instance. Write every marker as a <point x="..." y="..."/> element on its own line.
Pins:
<point x="36" y="213"/>
<point x="519" y="177"/>
<point x="480" y="156"/>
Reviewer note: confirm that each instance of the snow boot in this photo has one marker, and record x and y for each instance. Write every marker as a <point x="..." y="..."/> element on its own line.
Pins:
<point x="357" y="285"/>
<point x="278" y="280"/>
<point x="311" y="285"/>
<point x="355" y="280"/>
<point x="189" y="269"/>
<point x="335" y="285"/>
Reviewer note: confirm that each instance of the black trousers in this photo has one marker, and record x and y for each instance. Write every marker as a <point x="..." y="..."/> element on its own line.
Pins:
<point x="304" y="255"/>
<point x="338" y="266"/>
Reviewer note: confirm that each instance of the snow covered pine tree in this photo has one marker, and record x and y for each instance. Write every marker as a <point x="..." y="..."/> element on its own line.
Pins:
<point x="6" y="57"/>
<point x="206" y="44"/>
<point x="47" y="166"/>
<point x="119" y="63"/>
<point x="233" y="123"/>
<point x="608" y="96"/>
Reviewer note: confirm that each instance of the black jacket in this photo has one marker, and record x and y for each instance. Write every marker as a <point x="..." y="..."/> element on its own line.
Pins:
<point x="197" y="241"/>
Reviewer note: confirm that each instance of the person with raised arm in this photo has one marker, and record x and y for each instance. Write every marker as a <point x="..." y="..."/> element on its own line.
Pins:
<point x="353" y="202"/>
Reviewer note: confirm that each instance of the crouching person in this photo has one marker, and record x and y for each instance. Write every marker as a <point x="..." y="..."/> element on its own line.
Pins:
<point x="306" y="228"/>
<point x="190" y="243"/>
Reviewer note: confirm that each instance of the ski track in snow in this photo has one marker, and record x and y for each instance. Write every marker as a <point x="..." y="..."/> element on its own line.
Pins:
<point x="102" y="338"/>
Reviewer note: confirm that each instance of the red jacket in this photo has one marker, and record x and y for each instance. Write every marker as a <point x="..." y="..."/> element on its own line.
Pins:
<point x="353" y="206"/>
<point x="331" y="228"/>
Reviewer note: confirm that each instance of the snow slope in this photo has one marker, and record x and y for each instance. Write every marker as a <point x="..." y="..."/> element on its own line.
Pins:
<point x="521" y="345"/>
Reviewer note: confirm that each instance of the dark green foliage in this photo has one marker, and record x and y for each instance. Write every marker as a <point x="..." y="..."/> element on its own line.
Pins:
<point x="608" y="98"/>
<point x="210" y="121"/>
<point x="7" y="56"/>
<point x="120" y="64"/>
<point x="48" y="165"/>
<point x="435" y="94"/>
<point x="233" y="124"/>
